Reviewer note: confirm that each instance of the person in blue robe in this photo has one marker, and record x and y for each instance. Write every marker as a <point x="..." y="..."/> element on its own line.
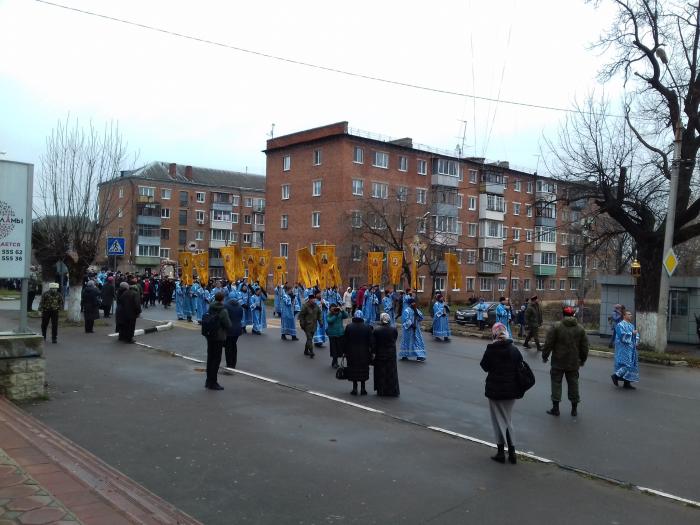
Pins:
<point x="279" y="291"/>
<point x="503" y="315"/>
<point x="244" y="301"/>
<point x="179" y="299"/>
<point x="187" y="302"/>
<point x="369" y="308"/>
<point x="626" y="363"/>
<point x="481" y="313"/>
<point x="257" y="308"/>
<point x="412" y="344"/>
<point x="320" y="335"/>
<point x="441" y="319"/>
<point x="388" y="306"/>
<point x="288" y="305"/>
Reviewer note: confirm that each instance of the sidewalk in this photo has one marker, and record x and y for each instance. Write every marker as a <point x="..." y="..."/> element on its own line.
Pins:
<point x="44" y="478"/>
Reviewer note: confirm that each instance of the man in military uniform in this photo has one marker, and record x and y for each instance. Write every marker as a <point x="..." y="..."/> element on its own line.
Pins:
<point x="533" y="320"/>
<point x="49" y="306"/>
<point x="33" y="287"/>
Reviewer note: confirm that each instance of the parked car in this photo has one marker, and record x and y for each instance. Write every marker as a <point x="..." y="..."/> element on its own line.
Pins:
<point x="467" y="315"/>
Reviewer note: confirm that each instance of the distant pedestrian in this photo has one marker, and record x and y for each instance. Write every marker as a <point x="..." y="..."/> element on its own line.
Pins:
<point x="51" y="303"/>
<point x="533" y="320"/>
<point x="347" y="300"/>
<point x="412" y="344"/>
<point x="107" y="297"/>
<point x="216" y="341"/>
<point x="567" y="343"/>
<point x="309" y="318"/>
<point x="481" y="313"/>
<point x="336" y="331"/>
<point x="500" y="361"/>
<point x="128" y="310"/>
<point x="32" y="287"/>
<point x="386" y="375"/>
<point x="235" y="315"/>
<point x="357" y="346"/>
<point x="90" y="305"/>
<point x="287" y="306"/>
<point x="626" y="365"/>
<point x="503" y="315"/>
<point x="521" y="320"/>
<point x="441" y="319"/>
<point x="614" y="320"/>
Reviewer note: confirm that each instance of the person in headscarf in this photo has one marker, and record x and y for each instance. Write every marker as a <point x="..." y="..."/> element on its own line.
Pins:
<point x="369" y="306"/>
<point x="388" y="306"/>
<point x="441" y="319"/>
<point x="179" y="300"/>
<point x="107" y="297"/>
<point x="500" y="362"/>
<point x="357" y="346"/>
<point x="128" y="309"/>
<point x="386" y="375"/>
<point x="320" y="335"/>
<point x="287" y="303"/>
<point x="188" y="301"/>
<point x="335" y="331"/>
<point x="626" y="365"/>
<point x="90" y="305"/>
<point x="412" y="344"/>
<point x="257" y="307"/>
<point x="615" y="319"/>
<point x="244" y="300"/>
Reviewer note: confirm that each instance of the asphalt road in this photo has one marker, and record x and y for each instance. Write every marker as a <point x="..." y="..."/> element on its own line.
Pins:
<point x="264" y="453"/>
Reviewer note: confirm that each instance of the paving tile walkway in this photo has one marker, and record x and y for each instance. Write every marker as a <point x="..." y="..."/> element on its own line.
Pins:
<point x="47" y="479"/>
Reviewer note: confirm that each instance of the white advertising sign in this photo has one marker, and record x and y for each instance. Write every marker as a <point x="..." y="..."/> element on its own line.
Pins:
<point x="15" y="218"/>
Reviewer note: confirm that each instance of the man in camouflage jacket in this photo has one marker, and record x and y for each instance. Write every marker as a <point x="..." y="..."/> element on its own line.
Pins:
<point x="49" y="306"/>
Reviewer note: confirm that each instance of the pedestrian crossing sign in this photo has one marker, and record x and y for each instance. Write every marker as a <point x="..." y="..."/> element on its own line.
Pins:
<point x="116" y="246"/>
<point x="670" y="262"/>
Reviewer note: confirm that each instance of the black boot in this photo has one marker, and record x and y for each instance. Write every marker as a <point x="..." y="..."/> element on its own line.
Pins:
<point x="615" y="379"/>
<point x="283" y="337"/>
<point x="554" y="411"/>
<point x="500" y="454"/>
<point x="295" y="338"/>
<point x="574" y="412"/>
<point x="512" y="457"/>
<point x="628" y="386"/>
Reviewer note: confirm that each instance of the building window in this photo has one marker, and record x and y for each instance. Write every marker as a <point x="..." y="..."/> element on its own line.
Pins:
<point x="422" y="224"/>
<point x="120" y="212"/>
<point x="121" y="193"/>
<point x="317" y="157"/>
<point x="469" y="283"/>
<point x="505" y="232"/>
<point x="358" y="186"/>
<point x="421" y="195"/>
<point x="562" y="262"/>
<point x="248" y="202"/>
<point x="165" y="234"/>
<point x="516" y="234"/>
<point x="539" y="283"/>
<point x="516" y="208"/>
<point x="516" y="259"/>
<point x="381" y="160"/>
<point x="402" y="193"/>
<point x="247" y="219"/>
<point x="234" y="237"/>
<point x="284" y="249"/>
<point x="562" y="284"/>
<point x="246" y="238"/>
<point x="148" y="251"/>
<point x="358" y="155"/>
<point x="471" y="229"/>
<point x="403" y="163"/>
<point x="355" y="252"/>
<point x="526" y="285"/>
<point x="182" y="218"/>
<point x="380" y="190"/>
<point x="471" y="256"/>
<point x="315" y="219"/>
<point x="356" y="219"/>
<point x="460" y="200"/>
<point x="421" y="283"/>
<point x="529" y="186"/>
<point x="220" y="235"/>
<point x="165" y="253"/>
<point x="286" y="163"/>
<point x="573" y="284"/>
<point x="501" y="284"/>
<point x="184" y="198"/>
<point x="439" y="284"/>
<point x="234" y="218"/>
<point x="422" y="167"/>
<point x="236" y="200"/>
<point x="518" y="185"/>
<point x="199" y="235"/>
<point x="200" y="196"/>
<point x="182" y="237"/>
<point x="528" y="235"/>
<point x="285" y="192"/>
<point x="284" y="222"/>
<point x="147" y="191"/>
<point x="552" y="284"/>
<point x="485" y="284"/>
<point x="473" y="176"/>
<point x="472" y="203"/>
<point x="165" y="213"/>
<point x="199" y="216"/>
<point x="166" y="193"/>
<point x="316" y="188"/>
<point x="528" y="260"/>
<point x="221" y="215"/>
<point x="146" y="230"/>
<point x="544" y="234"/>
<point x="259" y="219"/>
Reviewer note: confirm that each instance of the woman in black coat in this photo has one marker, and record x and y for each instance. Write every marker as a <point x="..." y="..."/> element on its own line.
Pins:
<point x="501" y="360"/>
<point x="90" y="305"/>
<point x="358" y="351"/>
<point x="386" y="375"/>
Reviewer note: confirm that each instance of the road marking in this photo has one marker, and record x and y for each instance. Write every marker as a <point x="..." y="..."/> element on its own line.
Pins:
<point x="344" y="402"/>
<point x="670" y="496"/>
<point x="256" y="376"/>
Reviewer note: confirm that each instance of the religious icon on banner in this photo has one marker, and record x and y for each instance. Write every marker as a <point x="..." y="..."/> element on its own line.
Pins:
<point x="307" y="267"/>
<point x="185" y="261"/>
<point x="395" y="263"/>
<point x="375" y="260"/>
<point x="228" y="254"/>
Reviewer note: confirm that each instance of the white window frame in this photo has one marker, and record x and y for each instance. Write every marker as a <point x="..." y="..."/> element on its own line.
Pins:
<point x="384" y="190"/>
<point x="485" y="284"/>
<point x="518" y="185"/>
<point x="286" y="163"/>
<point x="286" y="191"/>
<point x="529" y="186"/>
<point x="199" y="216"/>
<point x="248" y="202"/>
<point x="516" y="234"/>
<point x="284" y="249"/>
<point x="358" y="159"/>
<point x="381" y="160"/>
<point x="460" y="200"/>
<point x="315" y="219"/>
<point x="528" y="235"/>
<point x="473" y="201"/>
<point x="421" y="283"/>
<point x="403" y="163"/>
<point x="200" y="196"/>
<point x="421" y="192"/>
<point x="526" y="285"/>
<point x="284" y="221"/>
<point x="147" y="191"/>
<point x="166" y="194"/>
<point x="421" y="166"/>
<point x="318" y="157"/>
<point x="247" y="238"/>
<point x="121" y="192"/>
<point x="247" y="218"/>
<point x="358" y="187"/>
<point x="165" y="213"/>
<point x="199" y="235"/>
<point x="316" y="187"/>
<point x="234" y="218"/>
<point x="473" y="176"/>
<point x="516" y="208"/>
<point x="469" y="283"/>
<point x="164" y="253"/>
<point x="472" y="229"/>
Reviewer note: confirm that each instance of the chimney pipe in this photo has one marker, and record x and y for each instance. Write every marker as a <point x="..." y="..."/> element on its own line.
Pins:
<point x="188" y="172"/>
<point x="172" y="169"/>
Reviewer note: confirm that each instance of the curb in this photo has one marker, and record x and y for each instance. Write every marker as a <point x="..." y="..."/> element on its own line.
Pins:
<point x="151" y="330"/>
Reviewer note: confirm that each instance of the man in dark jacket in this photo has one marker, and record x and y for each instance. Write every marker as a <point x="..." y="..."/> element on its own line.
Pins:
<point x="216" y="341"/>
<point x="107" y="296"/>
<point x="357" y="346"/>
<point x="128" y="309"/>
<point x="533" y="320"/>
<point x="49" y="306"/>
<point x="309" y="317"/>
<point x="235" y="315"/>
<point x="568" y="345"/>
<point x="90" y="305"/>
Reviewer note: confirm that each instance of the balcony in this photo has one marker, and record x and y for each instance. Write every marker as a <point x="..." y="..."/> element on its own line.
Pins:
<point x="256" y="244"/>
<point x="495" y="188"/>
<point x="489" y="213"/>
<point x="216" y="262"/>
<point x="489" y="268"/>
<point x="545" y="221"/>
<point x="575" y="271"/>
<point x="142" y="260"/>
<point x="259" y="208"/>
<point x="491" y="242"/>
<point x="150" y="220"/>
<point x="545" y="246"/>
<point x="148" y="240"/>
<point x="221" y="206"/>
<point x="445" y="239"/>
<point x="447" y="181"/>
<point x="448" y="210"/>
<point x="216" y="244"/>
<point x="257" y="227"/>
<point x="544" y="269"/>
<point x="221" y="225"/>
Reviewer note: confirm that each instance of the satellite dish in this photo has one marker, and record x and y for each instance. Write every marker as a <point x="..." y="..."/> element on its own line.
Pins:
<point x="192" y="246"/>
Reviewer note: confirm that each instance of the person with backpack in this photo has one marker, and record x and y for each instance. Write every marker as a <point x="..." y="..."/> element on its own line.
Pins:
<point x="215" y="326"/>
<point x="501" y="362"/>
<point x="567" y="343"/>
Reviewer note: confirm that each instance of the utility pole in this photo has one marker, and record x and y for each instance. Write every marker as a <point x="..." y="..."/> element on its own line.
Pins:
<point x="662" y="313"/>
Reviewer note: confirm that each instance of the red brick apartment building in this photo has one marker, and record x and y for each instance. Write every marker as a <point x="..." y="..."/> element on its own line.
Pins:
<point x="163" y="208"/>
<point x="515" y="233"/>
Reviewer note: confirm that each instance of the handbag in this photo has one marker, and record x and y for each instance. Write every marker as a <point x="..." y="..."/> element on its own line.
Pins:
<point x="341" y="372"/>
<point x="526" y="379"/>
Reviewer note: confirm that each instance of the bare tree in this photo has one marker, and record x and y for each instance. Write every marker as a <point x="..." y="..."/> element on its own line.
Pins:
<point x="69" y="218"/>
<point x="627" y="160"/>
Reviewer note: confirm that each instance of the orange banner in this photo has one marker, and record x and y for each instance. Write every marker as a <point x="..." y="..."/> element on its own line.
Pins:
<point x="453" y="273"/>
<point x="335" y="278"/>
<point x="184" y="259"/>
<point x="262" y="266"/>
<point x="374" y="267"/>
<point x="395" y="265"/>
<point x="279" y="269"/>
<point x="229" y="254"/>
<point x="249" y="257"/>
<point x="201" y="264"/>
<point x="308" y="268"/>
<point x="325" y="253"/>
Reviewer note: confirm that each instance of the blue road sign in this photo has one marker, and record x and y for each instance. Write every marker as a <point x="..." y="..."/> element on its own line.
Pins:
<point x="116" y="246"/>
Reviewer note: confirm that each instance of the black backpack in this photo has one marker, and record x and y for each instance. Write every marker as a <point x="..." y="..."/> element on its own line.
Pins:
<point x="210" y="324"/>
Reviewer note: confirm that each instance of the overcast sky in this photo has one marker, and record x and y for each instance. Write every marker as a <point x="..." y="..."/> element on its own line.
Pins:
<point x="178" y="100"/>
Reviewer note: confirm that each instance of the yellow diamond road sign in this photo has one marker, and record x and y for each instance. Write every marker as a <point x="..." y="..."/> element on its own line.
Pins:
<point x="670" y="262"/>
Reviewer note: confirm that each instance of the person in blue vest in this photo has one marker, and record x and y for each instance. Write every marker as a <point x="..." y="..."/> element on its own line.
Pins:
<point x="369" y="307"/>
<point x="481" y="309"/>
<point x="288" y="311"/>
<point x="179" y="300"/>
<point x="503" y="315"/>
<point x="412" y="344"/>
<point x="441" y="319"/>
<point x="257" y="308"/>
<point x="388" y="306"/>
<point x="320" y="335"/>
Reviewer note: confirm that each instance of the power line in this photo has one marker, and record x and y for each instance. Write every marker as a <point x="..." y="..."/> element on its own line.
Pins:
<point x="310" y="65"/>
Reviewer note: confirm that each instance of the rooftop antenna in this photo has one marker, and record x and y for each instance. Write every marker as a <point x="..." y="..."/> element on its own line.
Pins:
<point x="460" y="148"/>
<point x="272" y="131"/>
<point x="537" y="166"/>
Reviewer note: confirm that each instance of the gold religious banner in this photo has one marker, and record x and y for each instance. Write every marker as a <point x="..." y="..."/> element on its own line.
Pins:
<point x="263" y="266"/>
<point x="395" y="265"/>
<point x="374" y="267"/>
<point x="453" y="276"/>
<point x="279" y="268"/>
<point x="184" y="259"/>
<point x="417" y="250"/>
<point x="324" y="256"/>
<point x="201" y="264"/>
<point x="336" y="279"/>
<point x="229" y="254"/>
<point x="308" y="268"/>
<point x="249" y="256"/>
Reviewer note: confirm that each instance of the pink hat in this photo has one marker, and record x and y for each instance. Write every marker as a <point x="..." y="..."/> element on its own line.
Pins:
<point x="498" y="330"/>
